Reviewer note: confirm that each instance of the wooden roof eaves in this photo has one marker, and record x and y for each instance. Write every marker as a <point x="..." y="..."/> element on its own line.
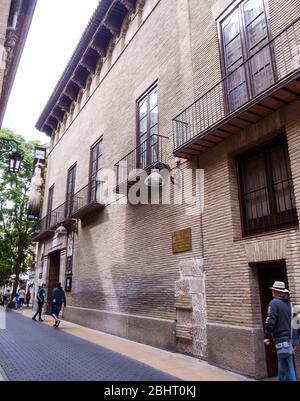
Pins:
<point x="22" y="29"/>
<point x="87" y="42"/>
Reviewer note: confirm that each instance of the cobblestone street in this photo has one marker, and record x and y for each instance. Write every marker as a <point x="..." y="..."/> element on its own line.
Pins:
<point x="35" y="351"/>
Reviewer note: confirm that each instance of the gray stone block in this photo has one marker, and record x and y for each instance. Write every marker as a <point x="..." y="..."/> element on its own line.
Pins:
<point x="237" y="348"/>
<point x="156" y="332"/>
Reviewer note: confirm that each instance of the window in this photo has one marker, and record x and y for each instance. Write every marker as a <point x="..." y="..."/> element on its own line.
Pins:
<point x="70" y="190"/>
<point x="244" y="33"/>
<point x="96" y="165"/>
<point x="148" y="129"/>
<point x="266" y="188"/>
<point x="50" y="204"/>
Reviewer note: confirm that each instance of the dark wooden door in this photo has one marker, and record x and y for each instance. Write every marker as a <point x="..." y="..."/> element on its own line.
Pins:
<point x="234" y="56"/>
<point x="260" y="67"/>
<point x="147" y="141"/>
<point x="247" y="61"/>
<point x="96" y="165"/>
<point x="53" y="277"/>
<point x="70" y="190"/>
<point x="50" y="205"/>
<point x="267" y="274"/>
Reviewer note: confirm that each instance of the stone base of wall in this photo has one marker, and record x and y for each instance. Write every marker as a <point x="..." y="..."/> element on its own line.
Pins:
<point x="190" y="302"/>
<point x="237" y="348"/>
<point x="158" y="333"/>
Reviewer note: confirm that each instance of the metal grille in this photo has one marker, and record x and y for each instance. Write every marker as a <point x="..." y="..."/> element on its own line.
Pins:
<point x="144" y="156"/>
<point x="274" y="63"/>
<point x="266" y="189"/>
<point x="90" y="193"/>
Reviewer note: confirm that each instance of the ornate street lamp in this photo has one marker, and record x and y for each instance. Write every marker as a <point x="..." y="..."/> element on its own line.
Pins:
<point x="11" y="147"/>
<point x="15" y="160"/>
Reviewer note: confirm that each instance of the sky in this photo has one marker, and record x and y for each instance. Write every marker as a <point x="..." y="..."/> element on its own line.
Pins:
<point x="55" y="31"/>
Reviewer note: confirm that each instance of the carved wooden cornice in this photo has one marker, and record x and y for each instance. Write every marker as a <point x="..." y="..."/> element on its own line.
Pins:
<point x="58" y="114"/>
<point x="105" y="25"/>
<point x="129" y="4"/>
<point x="72" y="90"/>
<point x="64" y="103"/>
<point x="14" y="44"/>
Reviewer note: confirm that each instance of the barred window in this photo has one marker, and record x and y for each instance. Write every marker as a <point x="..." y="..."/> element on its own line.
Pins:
<point x="266" y="188"/>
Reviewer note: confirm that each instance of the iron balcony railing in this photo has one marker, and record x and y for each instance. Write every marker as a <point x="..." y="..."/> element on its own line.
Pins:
<point x="275" y="62"/>
<point x="41" y="227"/>
<point x="144" y="156"/>
<point x="51" y="221"/>
<point x="58" y="215"/>
<point x="87" y="195"/>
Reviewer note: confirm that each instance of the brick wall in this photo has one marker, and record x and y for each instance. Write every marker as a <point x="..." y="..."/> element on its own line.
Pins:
<point x="230" y="280"/>
<point x="123" y="260"/>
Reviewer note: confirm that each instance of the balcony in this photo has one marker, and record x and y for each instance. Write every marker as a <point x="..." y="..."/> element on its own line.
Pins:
<point x="46" y="227"/>
<point x="87" y="200"/>
<point x="42" y="230"/>
<point x="58" y="216"/>
<point x="84" y="202"/>
<point x="145" y="157"/>
<point x="265" y="82"/>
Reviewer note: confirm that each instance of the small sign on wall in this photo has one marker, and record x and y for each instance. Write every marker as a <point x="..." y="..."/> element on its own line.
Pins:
<point x="182" y="241"/>
<point x="69" y="266"/>
<point x="68" y="287"/>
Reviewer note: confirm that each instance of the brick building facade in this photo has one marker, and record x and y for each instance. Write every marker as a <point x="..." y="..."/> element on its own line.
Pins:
<point x="235" y="66"/>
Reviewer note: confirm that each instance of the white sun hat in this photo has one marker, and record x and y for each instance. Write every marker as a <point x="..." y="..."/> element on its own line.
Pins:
<point x="279" y="286"/>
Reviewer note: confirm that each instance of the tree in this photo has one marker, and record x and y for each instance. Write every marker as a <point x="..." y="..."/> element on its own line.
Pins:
<point x="15" y="230"/>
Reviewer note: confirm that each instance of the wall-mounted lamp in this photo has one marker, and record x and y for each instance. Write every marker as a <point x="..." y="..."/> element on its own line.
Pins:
<point x="61" y="230"/>
<point x="155" y="179"/>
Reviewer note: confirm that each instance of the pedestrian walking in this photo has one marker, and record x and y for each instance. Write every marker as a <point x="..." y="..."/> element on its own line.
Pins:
<point x="16" y="300"/>
<point x="41" y="300"/>
<point x="6" y="297"/>
<point x="28" y="298"/>
<point x="280" y="327"/>
<point x="22" y="294"/>
<point x="58" y="298"/>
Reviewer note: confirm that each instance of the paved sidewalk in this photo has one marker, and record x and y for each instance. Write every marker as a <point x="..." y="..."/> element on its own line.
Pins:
<point x="178" y="365"/>
<point x="32" y="351"/>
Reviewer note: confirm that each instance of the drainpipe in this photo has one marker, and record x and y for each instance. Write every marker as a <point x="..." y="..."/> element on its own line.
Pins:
<point x="201" y="216"/>
<point x="15" y="11"/>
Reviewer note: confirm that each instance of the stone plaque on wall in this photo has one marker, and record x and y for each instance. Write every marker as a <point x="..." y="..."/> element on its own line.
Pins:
<point x="182" y="240"/>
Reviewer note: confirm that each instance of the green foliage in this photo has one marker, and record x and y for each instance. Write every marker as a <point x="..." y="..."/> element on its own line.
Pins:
<point x="16" y="245"/>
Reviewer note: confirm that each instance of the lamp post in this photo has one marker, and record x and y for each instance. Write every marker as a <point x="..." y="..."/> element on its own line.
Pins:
<point x="11" y="147"/>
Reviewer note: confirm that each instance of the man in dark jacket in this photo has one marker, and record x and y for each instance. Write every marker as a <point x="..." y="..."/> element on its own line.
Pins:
<point x="41" y="300"/>
<point x="57" y="299"/>
<point x="279" y="327"/>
